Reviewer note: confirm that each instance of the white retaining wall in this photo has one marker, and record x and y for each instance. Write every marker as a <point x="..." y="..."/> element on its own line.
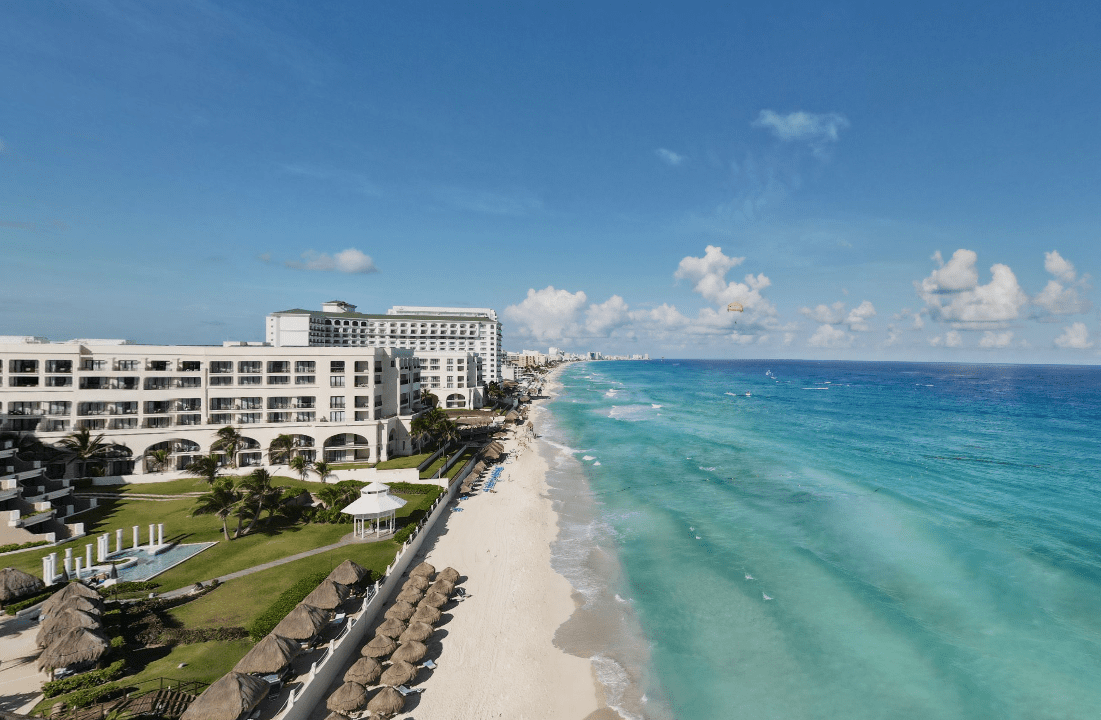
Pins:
<point x="312" y="694"/>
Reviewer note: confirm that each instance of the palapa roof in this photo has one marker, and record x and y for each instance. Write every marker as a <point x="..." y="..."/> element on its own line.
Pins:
<point x="228" y="698"/>
<point x="327" y="596"/>
<point x="419" y="582"/>
<point x="512" y="415"/>
<point x="74" y="602"/>
<point x="449" y="574"/>
<point x="434" y="599"/>
<point x="419" y="631"/>
<point x="73" y="647"/>
<point x="16" y="584"/>
<point x="424" y="569"/>
<point x="380" y="646"/>
<point x="347" y="698"/>
<point x="348" y="573"/>
<point x="391" y="628"/>
<point x="374" y="501"/>
<point x="411" y="652"/>
<point x="73" y="589"/>
<point x="302" y="623"/>
<point x="410" y="595"/>
<point x="399" y="673"/>
<point x="400" y="610"/>
<point x="427" y="614"/>
<point x="270" y="655"/>
<point x="62" y="620"/>
<point x="364" y="671"/>
<point x="443" y="587"/>
<point x="386" y="702"/>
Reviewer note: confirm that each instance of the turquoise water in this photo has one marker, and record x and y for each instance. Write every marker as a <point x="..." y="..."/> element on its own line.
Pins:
<point x="851" y="540"/>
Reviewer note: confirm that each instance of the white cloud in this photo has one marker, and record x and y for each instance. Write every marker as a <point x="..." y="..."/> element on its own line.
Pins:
<point x="1075" y="337"/>
<point x="708" y="277"/>
<point x="952" y="292"/>
<point x="951" y="339"/>
<point x="893" y="336"/>
<point x="602" y="319"/>
<point x="812" y="127"/>
<point x="827" y="336"/>
<point x="1057" y="266"/>
<point x="670" y="157"/>
<point x="991" y="339"/>
<point x="858" y="316"/>
<point x="832" y="314"/>
<point x="548" y="314"/>
<point x="1061" y="295"/>
<point x="346" y="261"/>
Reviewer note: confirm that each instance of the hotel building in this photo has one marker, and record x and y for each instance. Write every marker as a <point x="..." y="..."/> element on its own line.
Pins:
<point x="425" y="330"/>
<point x="340" y="404"/>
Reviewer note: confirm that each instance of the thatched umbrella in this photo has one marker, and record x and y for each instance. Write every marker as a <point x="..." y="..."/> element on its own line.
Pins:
<point x="410" y="652"/>
<point x="399" y="673"/>
<point x="386" y="702"/>
<point x="491" y="454"/>
<point x="466" y="487"/>
<point x="443" y="587"/>
<point x="74" y="602"/>
<point x="270" y="655"/>
<point x="62" y="620"/>
<point x="426" y="614"/>
<point x="15" y="584"/>
<point x="364" y="671"/>
<point x="424" y="569"/>
<point x="302" y="623"/>
<point x="391" y="628"/>
<point x="327" y="596"/>
<point x="76" y="646"/>
<point x="512" y="416"/>
<point x="419" y="631"/>
<point x="400" y="610"/>
<point x="348" y="698"/>
<point x="417" y="582"/>
<point x="434" y="599"/>
<point x="477" y="469"/>
<point x="449" y="574"/>
<point x="410" y="595"/>
<point x="235" y="694"/>
<point x="348" y="573"/>
<point x="380" y="646"/>
<point x="72" y="590"/>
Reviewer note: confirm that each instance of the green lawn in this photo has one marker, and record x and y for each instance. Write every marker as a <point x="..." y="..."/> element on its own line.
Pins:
<point x="461" y="462"/>
<point x="409" y="461"/>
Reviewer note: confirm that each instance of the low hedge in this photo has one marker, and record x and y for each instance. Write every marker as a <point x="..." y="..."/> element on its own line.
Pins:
<point x="405" y="488"/>
<point x="286" y="602"/>
<point x="84" y="680"/>
<point x="136" y="586"/>
<point x="402" y="535"/>
<point x="187" y="636"/>
<point x="13" y="608"/>
<point x="92" y="695"/>
<point x="22" y="546"/>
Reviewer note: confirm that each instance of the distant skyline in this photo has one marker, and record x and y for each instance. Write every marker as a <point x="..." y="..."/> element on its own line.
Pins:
<point x="868" y="181"/>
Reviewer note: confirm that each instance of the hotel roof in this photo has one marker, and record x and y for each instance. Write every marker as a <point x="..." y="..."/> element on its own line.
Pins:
<point x="386" y="318"/>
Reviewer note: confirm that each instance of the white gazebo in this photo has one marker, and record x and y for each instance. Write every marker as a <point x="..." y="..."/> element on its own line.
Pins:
<point x="375" y="506"/>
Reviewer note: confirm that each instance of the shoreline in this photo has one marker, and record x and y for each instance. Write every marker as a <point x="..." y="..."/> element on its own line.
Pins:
<point x="495" y="651"/>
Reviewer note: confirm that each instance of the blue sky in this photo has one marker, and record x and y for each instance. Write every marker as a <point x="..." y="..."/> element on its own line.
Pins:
<point x="868" y="181"/>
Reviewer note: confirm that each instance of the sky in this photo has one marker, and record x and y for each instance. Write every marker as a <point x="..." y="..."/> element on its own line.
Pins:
<point x="872" y="181"/>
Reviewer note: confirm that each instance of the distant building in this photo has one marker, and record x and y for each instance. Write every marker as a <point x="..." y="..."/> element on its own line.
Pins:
<point x="453" y="377"/>
<point x="417" y="328"/>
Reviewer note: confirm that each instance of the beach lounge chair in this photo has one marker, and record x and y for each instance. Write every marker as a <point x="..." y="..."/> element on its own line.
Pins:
<point x="430" y="664"/>
<point x="338" y="619"/>
<point x="405" y="691"/>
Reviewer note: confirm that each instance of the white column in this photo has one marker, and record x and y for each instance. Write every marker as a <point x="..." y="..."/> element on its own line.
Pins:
<point x="100" y="554"/>
<point x="68" y="561"/>
<point x="136" y="543"/>
<point x="118" y="540"/>
<point x="78" y="559"/>
<point x="160" y="533"/>
<point x="47" y="576"/>
<point x="53" y="568"/>
<point x="151" y="526"/>
<point x="88" y="555"/>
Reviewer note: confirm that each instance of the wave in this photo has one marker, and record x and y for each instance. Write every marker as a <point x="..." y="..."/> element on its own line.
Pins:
<point x="631" y="413"/>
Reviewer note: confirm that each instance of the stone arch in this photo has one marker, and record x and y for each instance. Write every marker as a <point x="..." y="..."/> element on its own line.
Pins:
<point x="181" y="453"/>
<point x="456" y="400"/>
<point x="250" y="453"/>
<point x="347" y="447"/>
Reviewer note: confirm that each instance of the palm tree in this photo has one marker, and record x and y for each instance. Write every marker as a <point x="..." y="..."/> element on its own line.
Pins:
<point x="301" y="465"/>
<point x="229" y="441"/>
<point x="205" y="467"/>
<point x="221" y="501"/>
<point x="428" y="398"/>
<point x="421" y="428"/>
<point x="259" y="492"/>
<point x="81" y="447"/>
<point x="157" y="459"/>
<point x="280" y="449"/>
<point x="322" y="469"/>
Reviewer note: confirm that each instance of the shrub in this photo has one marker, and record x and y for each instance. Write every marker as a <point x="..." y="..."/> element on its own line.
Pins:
<point x="132" y="586"/>
<point x="92" y="695"/>
<point x="84" y="680"/>
<point x="22" y="546"/>
<point x="403" y="534"/>
<point x="415" y="488"/>
<point x="279" y="609"/>
<point x="186" y="636"/>
<point x="13" y="608"/>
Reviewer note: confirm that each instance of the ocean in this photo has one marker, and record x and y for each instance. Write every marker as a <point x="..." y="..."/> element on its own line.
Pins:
<point x="791" y="539"/>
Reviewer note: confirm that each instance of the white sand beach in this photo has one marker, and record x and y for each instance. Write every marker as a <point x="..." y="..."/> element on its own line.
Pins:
<point x="495" y="654"/>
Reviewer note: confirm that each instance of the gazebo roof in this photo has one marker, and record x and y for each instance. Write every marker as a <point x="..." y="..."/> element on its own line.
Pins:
<point x="375" y="500"/>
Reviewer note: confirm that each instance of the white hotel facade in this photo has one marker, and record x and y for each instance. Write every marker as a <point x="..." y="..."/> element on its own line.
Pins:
<point x="340" y="404"/>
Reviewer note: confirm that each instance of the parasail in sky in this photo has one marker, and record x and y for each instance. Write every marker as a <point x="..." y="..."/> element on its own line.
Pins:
<point x="734" y="307"/>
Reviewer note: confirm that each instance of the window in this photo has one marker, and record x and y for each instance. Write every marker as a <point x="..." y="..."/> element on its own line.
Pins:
<point x="221" y="403"/>
<point x="305" y="379"/>
<point x="336" y="381"/>
<point x="61" y="381"/>
<point x="304" y="366"/>
<point x="93" y="364"/>
<point x="158" y="365"/>
<point x="336" y="416"/>
<point x="189" y="419"/>
<point x="246" y="418"/>
<point x="279" y="379"/>
<point x="304" y="402"/>
<point x="189" y="404"/>
<point x="190" y="366"/>
<point x="221" y="367"/>
<point x="336" y="401"/>
<point x="221" y="419"/>
<point x="93" y="383"/>
<point x="279" y="403"/>
<point x="91" y="408"/>
<point x="304" y="417"/>
<point x="24" y="366"/>
<point x="156" y="407"/>
<point x="248" y="366"/>
<point x="279" y="417"/>
<point x="157" y="422"/>
<point x="336" y="366"/>
<point x="59" y="366"/>
<point x="127" y="383"/>
<point x="250" y="380"/>
<point x="252" y="403"/>
<point x="279" y="366"/>
<point x="59" y="407"/>
<point x="150" y="383"/>
<point x="221" y="381"/>
<point x="192" y="382"/>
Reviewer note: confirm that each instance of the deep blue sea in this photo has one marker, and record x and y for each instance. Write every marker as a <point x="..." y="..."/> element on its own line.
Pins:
<point x="790" y="539"/>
